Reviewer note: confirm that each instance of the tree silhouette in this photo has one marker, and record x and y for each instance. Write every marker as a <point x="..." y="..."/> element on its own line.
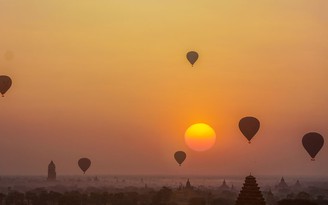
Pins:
<point x="296" y="202"/>
<point x="162" y="197"/>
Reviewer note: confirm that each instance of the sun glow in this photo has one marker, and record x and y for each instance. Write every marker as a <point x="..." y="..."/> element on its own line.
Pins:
<point x="200" y="137"/>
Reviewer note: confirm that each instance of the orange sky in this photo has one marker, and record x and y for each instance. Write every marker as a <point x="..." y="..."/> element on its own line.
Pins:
<point x="109" y="80"/>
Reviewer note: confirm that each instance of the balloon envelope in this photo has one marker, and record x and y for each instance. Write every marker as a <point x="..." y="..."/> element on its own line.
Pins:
<point x="84" y="164"/>
<point x="192" y="57"/>
<point x="5" y="84"/>
<point x="249" y="127"/>
<point x="180" y="156"/>
<point x="312" y="142"/>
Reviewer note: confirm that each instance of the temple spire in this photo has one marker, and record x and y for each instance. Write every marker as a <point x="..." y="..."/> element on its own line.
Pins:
<point x="51" y="171"/>
<point x="250" y="193"/>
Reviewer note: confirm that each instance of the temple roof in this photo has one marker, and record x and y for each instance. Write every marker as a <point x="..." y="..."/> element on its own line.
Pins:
<point x="224" y="185"/>
<point x="297" y="184"/>
<point x="188" y="184"/>
<point x="250" y="193"/>
<point x="282" y="183"/>
<point x="52" y="164"/>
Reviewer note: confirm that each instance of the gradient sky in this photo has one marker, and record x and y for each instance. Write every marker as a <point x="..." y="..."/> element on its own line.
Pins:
<point x="108" y="80"/>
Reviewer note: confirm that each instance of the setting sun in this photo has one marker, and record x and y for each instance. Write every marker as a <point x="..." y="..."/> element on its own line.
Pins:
<point x="200" y="137"/>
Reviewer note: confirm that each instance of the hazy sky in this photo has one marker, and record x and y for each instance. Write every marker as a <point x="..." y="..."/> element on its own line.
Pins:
<point x="108" y="80"/>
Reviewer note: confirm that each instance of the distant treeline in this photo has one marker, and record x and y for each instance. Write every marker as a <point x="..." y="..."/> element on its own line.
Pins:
<point x="164" y="196"/>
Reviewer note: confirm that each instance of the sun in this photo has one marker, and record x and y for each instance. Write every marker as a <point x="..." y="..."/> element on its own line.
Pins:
<point x="200" y="137"/>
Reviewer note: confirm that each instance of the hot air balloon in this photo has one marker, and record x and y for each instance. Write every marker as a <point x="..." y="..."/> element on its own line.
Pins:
<point x="192" y="57"/>
<point x="84" y="164"/>
<point x="249" y="127"/>
<point x="312" y="142"/>
<point x="180" y="156"/>
<point x="5" y="84"/>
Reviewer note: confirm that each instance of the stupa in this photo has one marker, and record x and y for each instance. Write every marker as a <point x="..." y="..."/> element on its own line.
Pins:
<point x="250" y="193"/>
<point x="51" y="171"/>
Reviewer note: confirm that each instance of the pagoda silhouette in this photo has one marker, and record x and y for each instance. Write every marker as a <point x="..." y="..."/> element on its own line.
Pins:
<point x="282" y="184"/>
<point x="51" y="171"/>
<point x="224" y="186"/>
<point x="188" y="185"/>
<point x="283" y="187"/>
<point x="250" y="193"/>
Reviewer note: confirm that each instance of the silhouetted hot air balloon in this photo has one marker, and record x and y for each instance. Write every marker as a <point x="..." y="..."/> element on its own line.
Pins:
<point x="249" y="127"/>
<point x="192" y="57"/>
<point x="5" y="84"/>
<point x="312" y="142"/>
<point x="180" y="156"/>
<point x="84" y="164"/>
